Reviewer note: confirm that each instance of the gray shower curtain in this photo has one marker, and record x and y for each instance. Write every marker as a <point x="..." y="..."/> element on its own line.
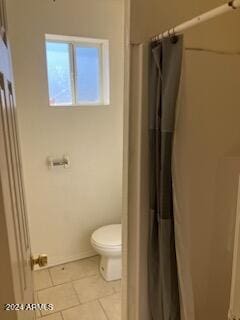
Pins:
<point x="165" y="72"/>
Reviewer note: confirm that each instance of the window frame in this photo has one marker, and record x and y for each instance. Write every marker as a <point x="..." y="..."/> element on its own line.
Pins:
<point x="104" y="76"/>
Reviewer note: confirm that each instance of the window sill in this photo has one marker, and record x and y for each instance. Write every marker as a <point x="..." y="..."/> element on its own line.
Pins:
<point x="78" y="105"/>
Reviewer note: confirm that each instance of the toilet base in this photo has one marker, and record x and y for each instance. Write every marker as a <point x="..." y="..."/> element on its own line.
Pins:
<point x="111" y="268"/>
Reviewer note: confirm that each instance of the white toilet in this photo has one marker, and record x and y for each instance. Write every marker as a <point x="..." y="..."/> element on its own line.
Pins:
<point x="107" y="241"/>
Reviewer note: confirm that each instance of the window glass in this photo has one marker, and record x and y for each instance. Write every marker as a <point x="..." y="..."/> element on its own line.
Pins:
<point x="88" y="74"/>
<point x="59" y="73"/>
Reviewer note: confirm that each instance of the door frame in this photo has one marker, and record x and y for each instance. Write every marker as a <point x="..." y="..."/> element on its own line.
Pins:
<point x="15" y="268"/>
<point x="125" y="217"/>
<point x="135" y="177"/>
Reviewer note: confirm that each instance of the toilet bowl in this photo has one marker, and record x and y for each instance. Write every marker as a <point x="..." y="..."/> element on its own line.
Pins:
<point x="107" y="241"/>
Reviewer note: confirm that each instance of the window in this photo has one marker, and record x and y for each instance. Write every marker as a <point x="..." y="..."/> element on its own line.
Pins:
<point x="78" y="71"/>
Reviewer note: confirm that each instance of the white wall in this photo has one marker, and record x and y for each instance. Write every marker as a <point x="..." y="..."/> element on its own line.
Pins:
<point x="66" y="205"/>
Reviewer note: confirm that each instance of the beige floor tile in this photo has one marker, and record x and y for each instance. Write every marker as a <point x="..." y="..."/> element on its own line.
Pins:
<point x="37" y="312"/>
<point x="55" y="316"/>
<point x="42" y="279"/>
<point x="73" y="271"/>
<point x="92" y="288"/>
<point x="62" y="297"/>
<point x="87" y="311"/>
<point x="112" y="306"/>
<point x="117" y="285"/>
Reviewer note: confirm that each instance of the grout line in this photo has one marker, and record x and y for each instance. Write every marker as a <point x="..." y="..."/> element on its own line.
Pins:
<point x="54" y="286"/>
<point x="76" y="292"/>
<point x="104" y="296"/>
<point x="58" y="311"/>
<point x="67" y="282"/>
<point x="82" y="304"/>
<point x="103" y="309"/>
<point x="92" y="300"/>
<point x="47" y="315"/>
<point x="48" y="269"/>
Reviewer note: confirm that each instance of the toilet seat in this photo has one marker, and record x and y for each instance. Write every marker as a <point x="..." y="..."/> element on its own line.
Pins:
<point x="108" y="237"/>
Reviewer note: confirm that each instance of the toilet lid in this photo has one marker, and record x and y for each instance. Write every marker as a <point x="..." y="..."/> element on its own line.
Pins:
<point x="108" y="235"/>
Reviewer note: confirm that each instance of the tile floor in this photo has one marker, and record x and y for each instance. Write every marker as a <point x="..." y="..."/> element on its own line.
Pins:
<point x="78" y="292"/>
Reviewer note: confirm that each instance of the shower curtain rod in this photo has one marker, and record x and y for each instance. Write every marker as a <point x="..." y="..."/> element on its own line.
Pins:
<point x="231" y="5"/>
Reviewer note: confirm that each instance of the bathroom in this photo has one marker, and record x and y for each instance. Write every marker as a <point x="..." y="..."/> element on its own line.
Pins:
<point x="129" y="187"/>
<point x="67" y="203"/>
